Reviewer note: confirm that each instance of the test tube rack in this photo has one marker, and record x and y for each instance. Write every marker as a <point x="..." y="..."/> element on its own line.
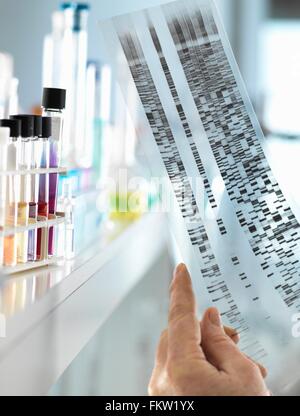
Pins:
<point x="40" y="223"/>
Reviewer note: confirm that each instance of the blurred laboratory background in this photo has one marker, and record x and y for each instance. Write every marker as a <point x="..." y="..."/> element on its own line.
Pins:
<point x="265" y="37"/>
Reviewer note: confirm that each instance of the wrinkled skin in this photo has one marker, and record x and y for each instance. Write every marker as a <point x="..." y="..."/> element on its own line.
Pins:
<point x="201" y="359"/>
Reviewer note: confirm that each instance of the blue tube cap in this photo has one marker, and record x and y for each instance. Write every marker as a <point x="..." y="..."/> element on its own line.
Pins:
<point x="83" y="6"/>
<point x="68" y="5"/>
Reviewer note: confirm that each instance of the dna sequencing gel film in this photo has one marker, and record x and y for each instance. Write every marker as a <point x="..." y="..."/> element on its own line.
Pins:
<point x="238" y="230"/>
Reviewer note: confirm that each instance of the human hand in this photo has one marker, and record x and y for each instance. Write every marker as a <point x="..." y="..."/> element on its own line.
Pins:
<point x="201" y="359"/>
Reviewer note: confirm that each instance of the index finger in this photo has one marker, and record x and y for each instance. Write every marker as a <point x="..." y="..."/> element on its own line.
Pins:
<point x="184" y="335"/>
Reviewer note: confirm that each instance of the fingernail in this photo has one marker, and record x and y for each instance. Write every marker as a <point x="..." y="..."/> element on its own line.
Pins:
<point x="215" y="317"/>
<point x="181" y="268"/>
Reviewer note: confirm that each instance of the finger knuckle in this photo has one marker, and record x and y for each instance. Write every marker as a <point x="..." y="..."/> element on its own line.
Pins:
<point x="219" y="339"/>
<point x="251" y="370"/>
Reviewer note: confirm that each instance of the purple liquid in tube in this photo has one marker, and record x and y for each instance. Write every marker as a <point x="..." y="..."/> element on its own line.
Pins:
<point x="53" y="104"/>
<point x="53" y="185"/>
<point x="43" y="195"/>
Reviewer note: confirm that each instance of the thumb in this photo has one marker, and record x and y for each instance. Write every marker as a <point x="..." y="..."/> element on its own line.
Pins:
<point x="218" y="348"/>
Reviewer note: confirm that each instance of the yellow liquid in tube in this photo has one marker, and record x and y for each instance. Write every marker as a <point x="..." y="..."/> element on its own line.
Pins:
<point x="22" y="238"/>
<point x="10" y="241"/>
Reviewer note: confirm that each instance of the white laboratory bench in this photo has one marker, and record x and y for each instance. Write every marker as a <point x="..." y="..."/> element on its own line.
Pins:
<point x="51" y="313"/>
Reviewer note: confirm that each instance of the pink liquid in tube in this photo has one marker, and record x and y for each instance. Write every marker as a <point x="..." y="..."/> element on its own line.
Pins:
<point x="53" y="185"/>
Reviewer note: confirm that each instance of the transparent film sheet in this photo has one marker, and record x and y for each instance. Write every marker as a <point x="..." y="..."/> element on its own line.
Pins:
<point x="234" y="227"/>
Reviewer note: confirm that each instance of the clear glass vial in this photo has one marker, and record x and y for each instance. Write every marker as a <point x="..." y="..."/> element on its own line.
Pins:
<point x="12" y="192"/>
<point x="24" y="162"/>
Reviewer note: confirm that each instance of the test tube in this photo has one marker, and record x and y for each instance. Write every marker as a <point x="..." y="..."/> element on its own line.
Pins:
<point x="12" y="191"/>
<point x="102" y="143"/>
<point x="4" y="139"/>
<point x="75" y="60"/>
<point x="27" y="131"/>
<point x="43" y="196"/>
<point x="53" y="106"/>
<point x="34" y="186"/>
<point x="66" y="244"/>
